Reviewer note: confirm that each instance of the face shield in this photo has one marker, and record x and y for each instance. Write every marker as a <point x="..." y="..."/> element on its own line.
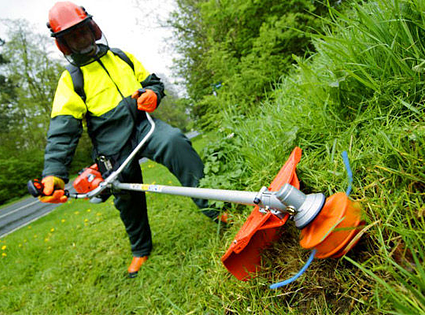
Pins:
<point x="83" y="43"/>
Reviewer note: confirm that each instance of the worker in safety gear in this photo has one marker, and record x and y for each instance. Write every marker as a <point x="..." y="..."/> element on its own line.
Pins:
<point x="113" y="102"/>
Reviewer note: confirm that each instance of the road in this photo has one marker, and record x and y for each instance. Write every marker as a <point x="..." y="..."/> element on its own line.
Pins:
<point x="24" y="212"/>
<point x="28" y="210"/>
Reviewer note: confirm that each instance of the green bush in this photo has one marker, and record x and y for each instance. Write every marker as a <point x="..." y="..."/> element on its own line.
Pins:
<point x="16" y="172"/>
<point x="244" y="45"/>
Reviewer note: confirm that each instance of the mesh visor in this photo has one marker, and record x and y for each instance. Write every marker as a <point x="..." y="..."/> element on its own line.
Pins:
<point x="79" y="58"/>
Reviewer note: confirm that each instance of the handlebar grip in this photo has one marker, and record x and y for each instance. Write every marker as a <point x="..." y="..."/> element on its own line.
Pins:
<point x="35" y="188"/>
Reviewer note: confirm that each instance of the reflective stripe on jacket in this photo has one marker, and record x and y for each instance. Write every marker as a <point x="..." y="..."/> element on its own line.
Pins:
<point x="109" y="110"/>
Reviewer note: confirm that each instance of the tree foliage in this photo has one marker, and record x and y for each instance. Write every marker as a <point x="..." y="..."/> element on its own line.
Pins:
<point x="173" y="109"/>
<point x="28" y="79"/>
<point x="245" y="46"/>
<point x="31" y="84"/>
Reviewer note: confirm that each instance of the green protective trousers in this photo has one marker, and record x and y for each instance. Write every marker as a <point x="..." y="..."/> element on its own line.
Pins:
<point x="171" y="148"/>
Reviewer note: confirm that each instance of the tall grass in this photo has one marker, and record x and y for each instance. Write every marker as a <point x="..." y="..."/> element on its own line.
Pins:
<point x="361" y="92"/>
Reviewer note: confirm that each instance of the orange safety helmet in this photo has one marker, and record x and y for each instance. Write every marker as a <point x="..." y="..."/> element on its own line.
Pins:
<point x="64" y="17"/>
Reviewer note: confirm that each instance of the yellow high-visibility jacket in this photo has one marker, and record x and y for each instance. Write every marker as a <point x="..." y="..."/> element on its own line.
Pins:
<point x="109" y="110"/>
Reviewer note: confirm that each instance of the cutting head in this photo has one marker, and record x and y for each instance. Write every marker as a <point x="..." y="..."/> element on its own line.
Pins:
<point x="332" y="233"/>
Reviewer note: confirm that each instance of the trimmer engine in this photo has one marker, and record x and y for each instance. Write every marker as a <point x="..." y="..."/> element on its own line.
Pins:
<point x="88" y="180"/>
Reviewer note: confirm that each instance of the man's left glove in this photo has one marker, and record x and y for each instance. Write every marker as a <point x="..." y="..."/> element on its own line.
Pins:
<point x="53" y="190"/>
<point x="146" y="100"/>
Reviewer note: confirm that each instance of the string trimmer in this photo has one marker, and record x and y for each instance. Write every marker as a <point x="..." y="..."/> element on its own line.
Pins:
<point x="327" y="225"/>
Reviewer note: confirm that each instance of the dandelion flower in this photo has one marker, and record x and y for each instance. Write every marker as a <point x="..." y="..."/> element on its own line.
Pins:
<point x="76" y="212"/>
<point x="4" y="254"/>
<point x="86" y="220"/>
<point x="63" y="220"/>
<point x="88" y="210"/>
<point x="52" y="229"/>
<point x="3" y="247"/>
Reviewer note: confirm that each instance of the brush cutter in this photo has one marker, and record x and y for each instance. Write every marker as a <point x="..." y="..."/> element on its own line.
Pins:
<point x="328" y="225"/>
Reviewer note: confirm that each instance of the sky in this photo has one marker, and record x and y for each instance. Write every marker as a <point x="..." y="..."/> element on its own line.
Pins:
<point x="127" y="24"/>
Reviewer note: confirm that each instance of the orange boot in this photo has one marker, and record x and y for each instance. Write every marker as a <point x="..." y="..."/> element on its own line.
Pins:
<point x="224" y="218"/>
<point x="135" y="265"/>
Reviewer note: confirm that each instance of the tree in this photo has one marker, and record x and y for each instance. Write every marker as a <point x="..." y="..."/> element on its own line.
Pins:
<point x="32" y="76"/>
<point x="245" y="45"/>
<point x="28" y="77"/>
<point x="7" y="95"/>
<point x="173" y="109"/>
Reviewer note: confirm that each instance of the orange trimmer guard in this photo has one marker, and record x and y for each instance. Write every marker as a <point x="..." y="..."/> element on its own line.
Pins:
<point x="243" y="257"/>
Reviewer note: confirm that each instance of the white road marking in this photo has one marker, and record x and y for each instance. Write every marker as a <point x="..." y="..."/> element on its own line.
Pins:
<point x="25" y="224"/>
<point x="16" y="210"/>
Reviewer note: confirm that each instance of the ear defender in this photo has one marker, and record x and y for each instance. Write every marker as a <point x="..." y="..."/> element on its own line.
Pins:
<point x="95" y="29"/>
<point x="93" y="26"/>
<point x="63" y="47"/>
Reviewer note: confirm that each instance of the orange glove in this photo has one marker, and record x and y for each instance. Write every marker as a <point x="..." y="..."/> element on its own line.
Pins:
<point x="146" y="100"/>
<point x="53" y="190"/>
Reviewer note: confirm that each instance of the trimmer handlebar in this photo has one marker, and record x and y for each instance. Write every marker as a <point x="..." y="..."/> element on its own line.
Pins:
<point x="35" y="187"/>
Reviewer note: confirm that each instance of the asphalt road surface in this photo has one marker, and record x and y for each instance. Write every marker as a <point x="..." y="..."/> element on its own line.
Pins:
<point x="28" y="210"/>
<point x="24" y="212"/>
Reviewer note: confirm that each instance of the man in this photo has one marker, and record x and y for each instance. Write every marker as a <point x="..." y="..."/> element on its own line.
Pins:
<point x="110" y="91"/>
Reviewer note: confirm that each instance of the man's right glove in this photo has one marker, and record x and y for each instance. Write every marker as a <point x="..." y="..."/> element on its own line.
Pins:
<point x="53" y="190"/>
<point x="146" y="100"/>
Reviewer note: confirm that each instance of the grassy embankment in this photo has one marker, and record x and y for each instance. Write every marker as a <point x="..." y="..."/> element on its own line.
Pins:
<point x="363" y="92"/>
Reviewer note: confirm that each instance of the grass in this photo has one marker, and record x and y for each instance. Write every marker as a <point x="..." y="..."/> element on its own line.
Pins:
<point x="74" y="261"/>
<point x="362" y="92"/>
